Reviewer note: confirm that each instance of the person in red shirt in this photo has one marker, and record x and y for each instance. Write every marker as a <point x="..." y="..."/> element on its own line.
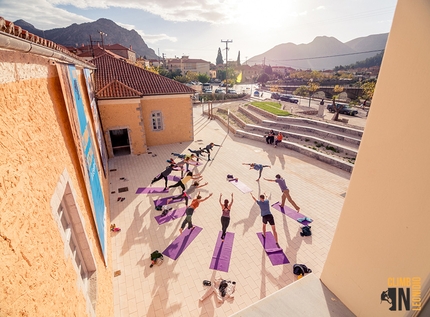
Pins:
<point x="190" y="210"/>
<point x="278" y="139"/>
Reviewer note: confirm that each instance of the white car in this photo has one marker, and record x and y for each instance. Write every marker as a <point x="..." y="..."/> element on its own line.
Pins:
<point x="232" y="91"/>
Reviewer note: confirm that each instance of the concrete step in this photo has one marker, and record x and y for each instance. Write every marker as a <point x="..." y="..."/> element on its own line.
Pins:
<point x="263" y="117"/>
<point x="329" y="159"/>
<point x="308" y="139"/>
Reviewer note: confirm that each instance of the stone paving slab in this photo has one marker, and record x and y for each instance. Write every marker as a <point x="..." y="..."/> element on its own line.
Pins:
<point x="174" y="288"/>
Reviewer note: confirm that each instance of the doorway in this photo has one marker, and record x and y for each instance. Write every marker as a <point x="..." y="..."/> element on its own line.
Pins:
<point x="120" y="142"/>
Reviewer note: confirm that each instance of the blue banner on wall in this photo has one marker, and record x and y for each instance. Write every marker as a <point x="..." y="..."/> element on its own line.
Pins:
<point x="96" y="119"/>
<point x="95" y="190"/>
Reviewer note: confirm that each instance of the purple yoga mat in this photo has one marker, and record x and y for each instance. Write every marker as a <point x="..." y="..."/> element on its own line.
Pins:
<point x="163" y="201"/>
<point x="222" y="252"/>
<point x="171" y="215"/>
<point x="243" y="188"/>
<point x="290" y="213"/>
<point x="275" y="253"/>
<point x="151" y="190"/>
<point x="175" y="249"/>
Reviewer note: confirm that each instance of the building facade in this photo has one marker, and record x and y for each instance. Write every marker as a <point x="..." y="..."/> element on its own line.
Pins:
<point x="186" y="64"/>
<point x="54" y="219"/>
<point x="139" y="108"/>
<point x="379" y="260"/>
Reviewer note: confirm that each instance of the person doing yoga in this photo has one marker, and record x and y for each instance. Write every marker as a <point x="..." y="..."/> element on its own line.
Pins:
<point x="257" y="167"/>
<point x="266" y="215"/>
<point x="186" y="193"/>
<point x="165" y="173"/>
<point x="190" y="210"/>
<point x="189" y="176"/>
<point x="225" y="218"/>
<point x="208" y="148"/>
<point x="285" y="191"/>
<point x="198" y="153"/>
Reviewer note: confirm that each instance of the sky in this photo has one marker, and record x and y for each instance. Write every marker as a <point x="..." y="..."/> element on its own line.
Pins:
<point x="196" y="28"/>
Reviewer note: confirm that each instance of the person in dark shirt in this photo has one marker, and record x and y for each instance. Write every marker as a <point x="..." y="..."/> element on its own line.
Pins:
<point x="285" y="191"/>
<point x="165" y="173"/>
<point x="208" y="148"/>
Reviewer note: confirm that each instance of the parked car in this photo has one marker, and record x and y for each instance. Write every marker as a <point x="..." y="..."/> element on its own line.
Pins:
<point x="289" y="98"/>
<point x="207" y="90"/>
<point x="232" y="91"/>
<point x="220" y="91"/>
<point x="349" y="111"/>
<point x="275" y="95"/>
<point x="256" y="93"/>
<point x="344" y="109"/>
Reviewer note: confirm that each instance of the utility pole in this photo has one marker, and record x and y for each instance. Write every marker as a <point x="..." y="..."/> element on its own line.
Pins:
<point x="226" y="61"/>
<point x="101" y="35"/>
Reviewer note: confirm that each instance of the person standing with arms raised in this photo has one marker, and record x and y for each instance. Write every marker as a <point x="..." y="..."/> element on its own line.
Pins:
<point x="266" y="215"/>
<point x="190" y="211"/>
<point x="225" y="218"/>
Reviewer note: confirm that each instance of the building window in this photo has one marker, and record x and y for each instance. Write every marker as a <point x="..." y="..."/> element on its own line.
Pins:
<point x="74" y="247"/>
<point x="77" y="248"/>
<point x="157" y="121"/>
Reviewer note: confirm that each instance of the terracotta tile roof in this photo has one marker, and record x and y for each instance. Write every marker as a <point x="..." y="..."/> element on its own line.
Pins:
<point x="115" y="78"/>
<point x="117" y="47"/>
<point x="15" y="30"/>
<point x="97" y="52"/>
<point x="187" y="60"/>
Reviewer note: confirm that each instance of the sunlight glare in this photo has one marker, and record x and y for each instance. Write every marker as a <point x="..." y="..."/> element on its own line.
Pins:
<point x="265" y="15"/>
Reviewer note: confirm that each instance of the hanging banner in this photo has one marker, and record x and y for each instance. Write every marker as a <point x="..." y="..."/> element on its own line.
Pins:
<point x="85" y="147"/>
<point x="96" y="118"/>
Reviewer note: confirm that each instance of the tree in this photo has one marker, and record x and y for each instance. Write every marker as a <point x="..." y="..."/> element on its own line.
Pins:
<point x="181" y="79"/>
<point x="263" y="78"/>
<point x="312" y="87"/>
<point x="337" y="90"/>
<point x="193" y="76"/>
<point x="203" y="78"/>
<point x="368" y="91"/>
<point x="220" y="74"/>
<point x="268" y="70"/>
<point x="238" y="59"/>
<point x="302" y="91"/>
<point x="219" y="60"/>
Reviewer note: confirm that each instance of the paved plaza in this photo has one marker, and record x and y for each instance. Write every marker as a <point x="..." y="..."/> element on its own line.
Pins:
<point x="175" y="287"/>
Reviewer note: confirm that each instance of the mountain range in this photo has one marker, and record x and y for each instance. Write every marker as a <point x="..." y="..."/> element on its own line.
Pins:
<point x="79" y="34"/>
<point x="322" y="53"/>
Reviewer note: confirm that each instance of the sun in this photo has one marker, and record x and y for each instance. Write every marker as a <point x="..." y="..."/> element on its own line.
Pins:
<point x="264" y="16"/>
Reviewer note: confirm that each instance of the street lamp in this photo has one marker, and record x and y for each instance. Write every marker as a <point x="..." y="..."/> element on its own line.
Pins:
<point x="310" y="90"/>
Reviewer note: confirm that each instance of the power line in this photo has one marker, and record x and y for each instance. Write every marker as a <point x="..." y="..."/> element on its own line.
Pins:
<point x="327" y="56"/>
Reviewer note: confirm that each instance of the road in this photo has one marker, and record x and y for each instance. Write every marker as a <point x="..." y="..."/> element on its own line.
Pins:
<point x="303" y="104"/>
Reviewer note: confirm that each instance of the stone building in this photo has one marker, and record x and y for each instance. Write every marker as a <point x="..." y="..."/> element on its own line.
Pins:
<point x="139" y="108"/>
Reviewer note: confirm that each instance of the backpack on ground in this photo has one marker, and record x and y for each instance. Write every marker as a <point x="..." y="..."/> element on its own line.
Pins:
<point x="156" y="258"/>
<point x="306" y="231"/>
<point x="301" y="269"/>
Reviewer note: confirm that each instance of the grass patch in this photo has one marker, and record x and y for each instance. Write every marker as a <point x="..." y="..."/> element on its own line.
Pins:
<point x="272" y="107"/>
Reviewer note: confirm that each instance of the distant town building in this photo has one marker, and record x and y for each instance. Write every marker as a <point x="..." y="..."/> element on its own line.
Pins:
<point x="89" y="52"/>
<point x="186" y="64"/>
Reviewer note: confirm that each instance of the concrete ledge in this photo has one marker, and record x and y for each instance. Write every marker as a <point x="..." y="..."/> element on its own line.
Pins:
<point x="294" y="120"/>
<point x="304" y="298"/>
<point x="339" y="147"/>
<point x="303" y="150"/>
